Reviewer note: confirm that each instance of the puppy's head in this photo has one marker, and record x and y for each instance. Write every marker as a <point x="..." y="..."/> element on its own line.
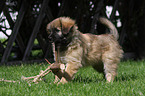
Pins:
<point x="60" y="30"/>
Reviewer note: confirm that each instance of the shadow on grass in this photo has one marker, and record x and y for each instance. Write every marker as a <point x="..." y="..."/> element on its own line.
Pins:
<point x="126" y="77"/>
<point x="87" y="79"/>
<point x="91" y="80"/>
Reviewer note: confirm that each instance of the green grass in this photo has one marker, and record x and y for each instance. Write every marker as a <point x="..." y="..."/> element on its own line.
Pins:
<point x="129" y="82"/>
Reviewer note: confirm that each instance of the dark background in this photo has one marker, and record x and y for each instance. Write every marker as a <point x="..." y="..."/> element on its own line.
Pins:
<point x="29" y="42"/>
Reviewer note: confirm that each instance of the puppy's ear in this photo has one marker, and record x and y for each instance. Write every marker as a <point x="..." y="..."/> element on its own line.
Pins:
<point x="48" y="28"/>
<point x="69" y="29"/>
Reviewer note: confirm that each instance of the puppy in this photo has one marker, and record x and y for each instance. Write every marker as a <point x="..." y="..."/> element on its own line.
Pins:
<point x="78" y="50"/>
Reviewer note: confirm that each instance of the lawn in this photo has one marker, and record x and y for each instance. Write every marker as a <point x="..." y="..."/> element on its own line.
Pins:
<point x="87" y="82"/>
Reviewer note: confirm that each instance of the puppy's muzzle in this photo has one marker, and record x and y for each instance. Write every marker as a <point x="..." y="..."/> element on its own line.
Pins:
<point x="50" y="39"/>
<point x="57" y="39"/>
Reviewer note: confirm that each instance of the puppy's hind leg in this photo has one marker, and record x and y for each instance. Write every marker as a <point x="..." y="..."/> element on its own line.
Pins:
<point x="110" y="70"/>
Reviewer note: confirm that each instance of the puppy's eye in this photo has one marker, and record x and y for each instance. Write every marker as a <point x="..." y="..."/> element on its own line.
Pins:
<point x="56" y="30"/>
<point x="48" y="31"/>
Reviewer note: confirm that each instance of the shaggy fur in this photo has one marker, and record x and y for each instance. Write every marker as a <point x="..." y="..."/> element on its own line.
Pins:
<point x="78" y="50"/>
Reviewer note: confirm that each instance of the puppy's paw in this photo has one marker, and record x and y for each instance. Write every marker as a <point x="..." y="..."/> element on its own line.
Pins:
<point x="62" y="81"/>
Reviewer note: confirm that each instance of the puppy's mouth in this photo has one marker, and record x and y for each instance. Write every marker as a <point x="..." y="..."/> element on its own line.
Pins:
<point x="59" y="41"/>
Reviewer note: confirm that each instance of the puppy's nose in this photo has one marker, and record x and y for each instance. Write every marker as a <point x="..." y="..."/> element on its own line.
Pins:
<point x="50" y="38"/>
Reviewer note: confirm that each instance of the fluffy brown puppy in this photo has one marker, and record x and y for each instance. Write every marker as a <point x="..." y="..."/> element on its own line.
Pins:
<point x="78" y="50"/>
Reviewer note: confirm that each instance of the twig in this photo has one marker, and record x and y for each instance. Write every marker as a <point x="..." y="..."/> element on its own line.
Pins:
<point x="42" y="73"/>
<point x="52" y="68"/>
<point x="38" y="77"/>
<point x="27" y="78"/>
<point x="47" y="61"/>
<point x="7" y="80"/>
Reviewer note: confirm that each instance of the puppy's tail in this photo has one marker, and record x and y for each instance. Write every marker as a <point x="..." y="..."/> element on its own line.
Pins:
<point x="110" y="25"/>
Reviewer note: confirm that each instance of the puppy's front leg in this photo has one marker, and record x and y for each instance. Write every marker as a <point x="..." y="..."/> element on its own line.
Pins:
<point x="58" y="75"/>
<point x="71" y="69"/>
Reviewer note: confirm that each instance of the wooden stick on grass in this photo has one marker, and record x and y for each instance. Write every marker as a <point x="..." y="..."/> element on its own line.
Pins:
<point x="52" y="68"/>
<point x="2" y="80"/>
<point x="41" y="74"/>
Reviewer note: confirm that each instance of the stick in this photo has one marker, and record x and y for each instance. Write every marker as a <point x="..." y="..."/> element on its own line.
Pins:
<point x="7" y="80"/>
<point x="55" y="66"/>
<point x="41" y="74"/>
<point x="47" y="61"/>
<point x="46" y="73"/>
<point x="37" y="78"/>
<point x="26" y="78"/>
